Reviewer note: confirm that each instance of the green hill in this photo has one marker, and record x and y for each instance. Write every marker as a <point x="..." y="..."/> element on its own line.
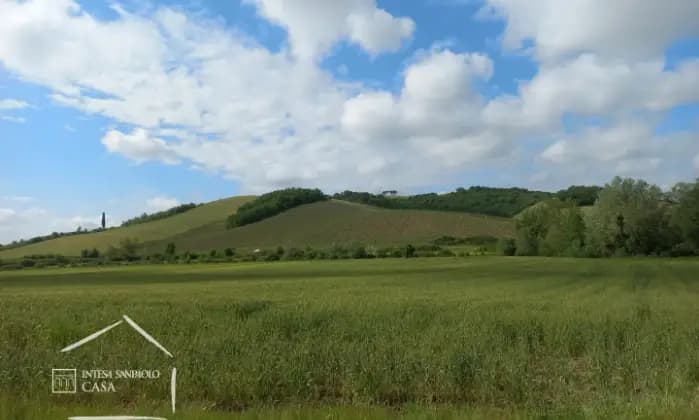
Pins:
<point x="325" y="223"/>
<point x="320" y="224"/>
<point x="213" y="212"/>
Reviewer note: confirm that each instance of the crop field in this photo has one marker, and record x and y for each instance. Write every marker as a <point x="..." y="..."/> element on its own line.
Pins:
<point x="478" y="337"/>
<point x="326" y="223"/>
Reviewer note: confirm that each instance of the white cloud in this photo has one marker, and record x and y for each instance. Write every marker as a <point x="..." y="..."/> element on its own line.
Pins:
<point x="160" y="203"/>
<point x="589" y="86"/>
<point x="436" y="102"/>
<point x="637" y="29"/>
<point x="616" y="144"/>
<point x="139" y="146"/>
<point x="8" y="104"/>
<point x="12" y="105"/>
<point x="12" y="119"/>
<point x="6" y="215"/>
<point x="627" y="148"/>
<point x="314" y="26"/>
<point x="182" y="89"/>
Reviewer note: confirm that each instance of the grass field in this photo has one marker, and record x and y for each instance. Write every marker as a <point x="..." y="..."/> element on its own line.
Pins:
<point x="213" y="212"/>
<point x="485" y="337"/>
<point x="325" y="223"/>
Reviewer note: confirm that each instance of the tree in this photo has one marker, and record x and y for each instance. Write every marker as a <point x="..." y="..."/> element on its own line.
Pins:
<point x="409" y="251"/>
<point x="581" y="195"/>
<point x="229" y="252"/>
<point x="685" y="216"/>
<point x="565" y="235"/>
<point x="506" y="247"/>
<point x="532" y="226"/>
<point x="629" y="218"/>
<point x="104" y="220"/>
<point x="170" y="249"/>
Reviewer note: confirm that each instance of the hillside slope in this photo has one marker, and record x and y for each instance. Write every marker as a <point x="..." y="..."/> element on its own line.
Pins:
<point x="324" y="223"/>
<point x="213" y="213"/>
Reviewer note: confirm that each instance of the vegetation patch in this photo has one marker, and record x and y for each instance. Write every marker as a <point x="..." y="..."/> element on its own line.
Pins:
<point x="504" y="202"/>
<point x="522" y="337"/>
<point x="629" y="218"/>
<point x="271" y="204"/>
<point x="145" y="217"/>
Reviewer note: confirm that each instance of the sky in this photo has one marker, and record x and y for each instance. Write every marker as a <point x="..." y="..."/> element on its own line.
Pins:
<point x="131" y="106"/>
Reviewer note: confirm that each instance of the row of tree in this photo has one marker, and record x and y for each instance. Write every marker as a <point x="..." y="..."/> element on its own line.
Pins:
<point x="145" y="217"/>
<point x="505" y="202"/>
<point x="629" y="217"/>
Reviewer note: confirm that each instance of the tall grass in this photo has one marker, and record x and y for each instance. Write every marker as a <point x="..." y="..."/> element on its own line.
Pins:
<point x="551" y="337"/>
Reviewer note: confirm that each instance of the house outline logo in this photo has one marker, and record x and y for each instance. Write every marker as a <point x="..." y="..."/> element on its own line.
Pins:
<point x="64" y="381"/>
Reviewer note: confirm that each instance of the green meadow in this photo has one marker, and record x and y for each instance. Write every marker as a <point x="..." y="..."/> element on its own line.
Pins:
<point x="478" y="337"/>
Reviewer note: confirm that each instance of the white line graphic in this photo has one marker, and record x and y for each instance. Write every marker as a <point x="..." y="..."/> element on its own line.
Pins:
<point x="135" y="326"/>
<point x="90" y="337"/>
<point x="146" y="335"/>
<point x="173" y="386"/>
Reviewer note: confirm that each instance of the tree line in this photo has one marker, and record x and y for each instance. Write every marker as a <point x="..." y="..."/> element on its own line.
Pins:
<point x="504" y="202"/>
<point x="629" y="217"/>
<point x="145" y="217"/>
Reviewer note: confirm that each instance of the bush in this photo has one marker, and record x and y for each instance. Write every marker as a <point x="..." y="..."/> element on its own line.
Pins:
<point x="293" y="254"/>
<point x="358" y="251"/>
<point x="409" y="251"/>
<point x="229" y="252"/>
<point x="28" y="263"/>
<point x="506" y="247"/>
<point x="684" y="249"/>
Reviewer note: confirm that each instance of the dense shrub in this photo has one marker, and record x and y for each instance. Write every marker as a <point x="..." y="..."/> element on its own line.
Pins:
<point x="506" y="247"/>
<point x="128" y="250"/>
<point x="271" y="204"/>
<point x="579" y="194"/>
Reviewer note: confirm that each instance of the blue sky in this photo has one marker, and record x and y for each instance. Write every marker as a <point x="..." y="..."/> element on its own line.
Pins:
<point x="133" y="107"/>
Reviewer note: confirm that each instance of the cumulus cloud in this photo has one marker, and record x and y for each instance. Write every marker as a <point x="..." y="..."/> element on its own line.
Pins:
<point x="627" y="148"/>
<point x="314" y="26"/>
<point x="587" y="85"/>
<point x="437" y="112"/>
<point x="139" y="146"/>
<point x="179" y="88"/>
<point x="160" y="203"/>
<point x="638" y="29"/>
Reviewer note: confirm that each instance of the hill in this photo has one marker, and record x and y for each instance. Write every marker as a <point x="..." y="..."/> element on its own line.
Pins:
<point x="150" y="231"/>
<point x="325" y="223"/>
